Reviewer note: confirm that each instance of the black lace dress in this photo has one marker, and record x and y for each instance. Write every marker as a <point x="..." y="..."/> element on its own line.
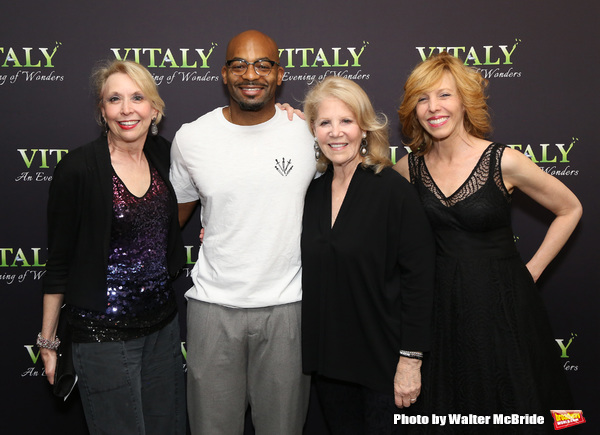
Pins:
<point x="493" y="350"/>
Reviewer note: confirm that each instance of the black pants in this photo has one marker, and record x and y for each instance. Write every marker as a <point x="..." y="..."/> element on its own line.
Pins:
<point x="350" y="408"/>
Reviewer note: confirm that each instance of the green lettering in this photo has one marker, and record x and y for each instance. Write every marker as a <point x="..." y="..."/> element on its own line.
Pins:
<point x="184" y="63"/>
<point x="421" y="51"/>
<point x="171" y="60"/>
<point x="34" y="356"/>
<point x="455" y="50"/>
<point x="488" y="61"/>
<point x="304" y="52"/>
<point x="188" y="251"/>
<point x="472" y="54"/>
<point x="44" y="164"/>
<point x="336" y="57"/>
<point x="529" y="152"/>
<point x="507" y="54"/>
<point x="3" y="252"/>
<point x="25" y="159"/>
<point x="320" y="58"/>
<point x="28" y="58"/>
<point x="393" y="154"/>
<point x="561" y="148"/>
<point x="545" y="154"/>
<point x="289" y="57"/>
<point x="11" y="56"/>
<point x="36" y="257"/>
<point x="204" y="58"/>
<point x="20" y="257"/>
<point x="152" y="51"/>
<point x="563" y="348"/>
<point x="48" y="56"/>
<point x="355" y="56"/>
<point x="59" y="154"/>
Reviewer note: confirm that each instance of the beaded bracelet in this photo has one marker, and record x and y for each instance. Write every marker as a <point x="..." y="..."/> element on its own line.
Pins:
<point x="42" y="342"/>
<point x="411" y="354"/>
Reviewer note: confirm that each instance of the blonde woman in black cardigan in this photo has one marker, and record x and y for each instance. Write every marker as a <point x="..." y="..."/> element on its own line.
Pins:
<point x="113" y="247"/>
<point x="368" y="267"/>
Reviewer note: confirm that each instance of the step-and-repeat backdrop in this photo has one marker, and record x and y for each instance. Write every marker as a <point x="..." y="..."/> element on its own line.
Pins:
<point x="540" y="59"/>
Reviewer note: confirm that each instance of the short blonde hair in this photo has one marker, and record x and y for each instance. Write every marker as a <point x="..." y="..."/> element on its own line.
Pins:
<point x="358" y="101"/>
<point x="471" y="88"/>
<point x="136" y="72"/>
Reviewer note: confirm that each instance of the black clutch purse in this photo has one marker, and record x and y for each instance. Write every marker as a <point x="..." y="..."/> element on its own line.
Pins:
<point x="65" y="377"/>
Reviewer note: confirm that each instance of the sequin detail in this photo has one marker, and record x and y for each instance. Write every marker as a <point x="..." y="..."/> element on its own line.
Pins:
<point x="140" y="298"/>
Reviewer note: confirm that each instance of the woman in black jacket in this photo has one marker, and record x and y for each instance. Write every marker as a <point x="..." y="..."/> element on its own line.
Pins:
<point x="114" y="246"/>
<point x="367" y="268"/>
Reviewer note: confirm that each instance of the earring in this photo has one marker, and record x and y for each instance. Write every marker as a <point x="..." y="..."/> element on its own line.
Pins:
<point x="104" y="126"/>
<point x="153" y="128"/>
<point x="317" y="150"/>
<point x="363" y="147"/>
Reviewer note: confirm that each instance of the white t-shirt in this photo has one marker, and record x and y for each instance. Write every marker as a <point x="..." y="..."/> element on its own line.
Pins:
<point x="251" y="182"/>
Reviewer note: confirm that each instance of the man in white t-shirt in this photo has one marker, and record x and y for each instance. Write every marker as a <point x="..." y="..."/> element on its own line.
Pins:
<point x="249" y="167"/>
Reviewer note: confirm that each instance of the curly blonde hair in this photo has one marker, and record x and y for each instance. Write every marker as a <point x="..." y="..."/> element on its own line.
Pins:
<point x="471" y="87"/>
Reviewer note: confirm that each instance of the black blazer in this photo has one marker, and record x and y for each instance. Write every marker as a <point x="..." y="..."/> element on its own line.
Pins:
<point x="80" y="217"/>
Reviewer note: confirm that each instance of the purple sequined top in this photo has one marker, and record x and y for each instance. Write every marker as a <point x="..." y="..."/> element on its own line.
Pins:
<point x="140" y="299"/>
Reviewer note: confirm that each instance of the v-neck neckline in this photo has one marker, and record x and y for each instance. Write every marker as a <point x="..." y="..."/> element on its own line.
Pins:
<point x="150" y="167"/>
<point x="343" y="206"/>
<point x="462" y="185"/>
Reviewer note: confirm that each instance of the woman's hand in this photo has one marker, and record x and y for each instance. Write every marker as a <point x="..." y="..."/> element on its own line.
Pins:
<point x="49" y="358"/>
<point x="520" y="172"/>
<point x="290" y="111"/>
<point x="407" y="382"/>
<point x="51" y="308"/>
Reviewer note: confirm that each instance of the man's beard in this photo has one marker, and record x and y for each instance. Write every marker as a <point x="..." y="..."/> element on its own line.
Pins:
<point x="251" y="106"/>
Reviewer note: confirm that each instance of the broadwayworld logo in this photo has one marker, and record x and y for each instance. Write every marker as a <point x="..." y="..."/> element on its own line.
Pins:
<point x="565" y="419"/>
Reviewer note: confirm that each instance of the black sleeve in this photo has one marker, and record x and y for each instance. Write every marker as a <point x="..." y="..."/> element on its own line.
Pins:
<point x="63" y="214"/>
<point x="416" y="258"/>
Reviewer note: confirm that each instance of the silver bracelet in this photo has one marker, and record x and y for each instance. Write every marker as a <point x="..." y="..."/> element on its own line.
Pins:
<point x="411" y="354"/>
<point x="42" y="342"/>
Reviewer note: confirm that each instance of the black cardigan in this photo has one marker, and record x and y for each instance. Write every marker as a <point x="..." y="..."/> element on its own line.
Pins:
<point x="368" y="281"/>
<point x="80" y="217"/>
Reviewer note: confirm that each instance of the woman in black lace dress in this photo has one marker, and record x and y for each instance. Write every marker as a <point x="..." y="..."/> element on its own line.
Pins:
<point x="493" y="350"/>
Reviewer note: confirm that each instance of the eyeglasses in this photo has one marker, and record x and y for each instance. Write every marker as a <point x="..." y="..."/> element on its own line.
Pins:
<point x="262" y="67"/>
